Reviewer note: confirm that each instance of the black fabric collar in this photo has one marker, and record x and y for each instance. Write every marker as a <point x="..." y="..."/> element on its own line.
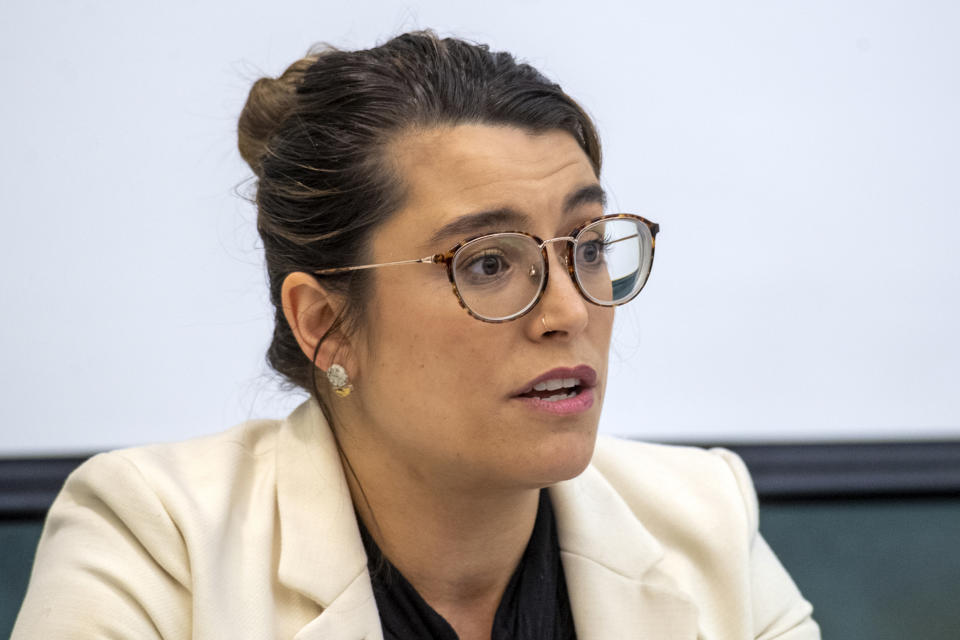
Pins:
<point x="534" y="606"/>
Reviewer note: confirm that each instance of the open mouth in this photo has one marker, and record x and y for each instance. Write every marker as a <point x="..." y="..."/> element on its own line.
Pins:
<point x="555" y="389"/>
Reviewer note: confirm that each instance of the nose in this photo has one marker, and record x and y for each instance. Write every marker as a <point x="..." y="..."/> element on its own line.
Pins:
<point x="562" y="310"/>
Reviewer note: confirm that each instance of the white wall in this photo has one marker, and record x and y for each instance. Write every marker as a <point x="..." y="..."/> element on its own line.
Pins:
<point x="803" y="159"/>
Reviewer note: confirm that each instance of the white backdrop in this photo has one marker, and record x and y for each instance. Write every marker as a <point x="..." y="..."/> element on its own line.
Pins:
<point x="803" y="159"/>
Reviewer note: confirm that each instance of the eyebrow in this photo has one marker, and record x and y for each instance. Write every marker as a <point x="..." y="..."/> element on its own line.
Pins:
<point x="590" y="194"/>
<point x="507" y="217"/>
<point x="474" y="223"/>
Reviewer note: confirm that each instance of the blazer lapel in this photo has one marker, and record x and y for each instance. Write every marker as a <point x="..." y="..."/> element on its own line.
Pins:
<point x="321" y="554"/>
<point x="610" y="563"/>
<point x="352" y="615"/>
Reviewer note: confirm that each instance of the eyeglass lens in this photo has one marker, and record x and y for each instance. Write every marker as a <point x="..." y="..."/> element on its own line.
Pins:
<point x="501" y="275"/>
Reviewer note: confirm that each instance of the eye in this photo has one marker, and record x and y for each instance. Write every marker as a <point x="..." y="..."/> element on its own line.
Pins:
<point x="495" y="260"/>
<point x="489" y="264"/>
<point x="591" y="252"/>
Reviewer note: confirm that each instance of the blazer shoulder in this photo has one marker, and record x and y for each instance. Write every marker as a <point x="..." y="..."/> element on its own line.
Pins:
<point x="685" y="480"/>
<point x="130" y="529"/>
<point x="199" y="479"/>
<point x="252" y="438"/>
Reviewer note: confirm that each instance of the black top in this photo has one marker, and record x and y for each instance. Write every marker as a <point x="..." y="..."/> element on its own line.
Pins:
<point x="534" y="606"/>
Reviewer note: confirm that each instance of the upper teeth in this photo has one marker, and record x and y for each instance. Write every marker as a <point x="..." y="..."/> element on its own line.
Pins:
<point x="556" y="383"/>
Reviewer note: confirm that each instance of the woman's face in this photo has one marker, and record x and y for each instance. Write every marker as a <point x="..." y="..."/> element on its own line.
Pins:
<point x="447" y="397"/>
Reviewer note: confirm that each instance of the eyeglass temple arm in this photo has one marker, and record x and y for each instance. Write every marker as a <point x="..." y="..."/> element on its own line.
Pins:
<point x="570" y="239"/>
<point x="438" y="258"/>
<point x="624" y="238"/>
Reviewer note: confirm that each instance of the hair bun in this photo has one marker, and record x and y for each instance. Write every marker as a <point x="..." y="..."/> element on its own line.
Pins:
<point x="270" y="102"/>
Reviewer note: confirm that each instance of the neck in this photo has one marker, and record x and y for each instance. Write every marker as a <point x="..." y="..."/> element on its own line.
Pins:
<point x="457" y="547"/>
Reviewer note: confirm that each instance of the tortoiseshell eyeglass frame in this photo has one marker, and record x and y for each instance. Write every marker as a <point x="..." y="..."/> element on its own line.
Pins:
<point x="446" y="259"/>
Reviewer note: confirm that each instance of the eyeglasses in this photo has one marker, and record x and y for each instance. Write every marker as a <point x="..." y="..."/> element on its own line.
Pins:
<point x="502" y="276"/>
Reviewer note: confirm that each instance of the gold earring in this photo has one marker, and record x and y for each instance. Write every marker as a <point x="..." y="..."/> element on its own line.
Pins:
<point x="339" y="380"/>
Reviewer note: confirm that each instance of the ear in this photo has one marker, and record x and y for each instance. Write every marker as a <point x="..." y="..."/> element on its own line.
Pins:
<point x="310" y="311"/>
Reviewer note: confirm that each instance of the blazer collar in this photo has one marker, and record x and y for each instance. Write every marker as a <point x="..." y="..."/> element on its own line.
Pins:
<point x="611" y="564"/>
<point x="321" y="554"/>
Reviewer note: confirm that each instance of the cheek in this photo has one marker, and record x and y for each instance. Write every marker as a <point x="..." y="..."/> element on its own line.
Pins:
<point x="428" y="373"/>
<point x="600" y="330"/>
<point x="601" y="324"/>
<point x="420" y="333"/>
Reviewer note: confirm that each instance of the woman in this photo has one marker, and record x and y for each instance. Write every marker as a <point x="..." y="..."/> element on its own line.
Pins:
<point x="444" y="276"/>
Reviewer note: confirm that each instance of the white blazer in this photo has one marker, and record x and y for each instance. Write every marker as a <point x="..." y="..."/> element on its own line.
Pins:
<point x="252" y="534"/>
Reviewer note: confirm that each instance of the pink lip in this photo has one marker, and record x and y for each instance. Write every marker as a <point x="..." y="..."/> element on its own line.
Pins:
<point x="581" y="402"/>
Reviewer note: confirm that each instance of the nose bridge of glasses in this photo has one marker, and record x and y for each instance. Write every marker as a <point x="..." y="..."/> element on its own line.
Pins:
<point x="563" y="256"/>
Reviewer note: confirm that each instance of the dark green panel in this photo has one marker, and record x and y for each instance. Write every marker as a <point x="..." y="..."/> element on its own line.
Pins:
<point x="18" y="542"/>
<point x="873" y="569"/>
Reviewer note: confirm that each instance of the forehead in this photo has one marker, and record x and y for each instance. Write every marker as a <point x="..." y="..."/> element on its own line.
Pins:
<point x="454" y="171"/>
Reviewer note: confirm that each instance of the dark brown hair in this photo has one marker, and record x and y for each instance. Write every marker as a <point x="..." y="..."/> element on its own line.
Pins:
<point x="316" y="139"/>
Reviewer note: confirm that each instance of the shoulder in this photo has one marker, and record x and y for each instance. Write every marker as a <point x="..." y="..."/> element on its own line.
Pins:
<point x="205" y="464"/>
<point x="162" y="503"/>
<point x="690" y="485"/>
<point x="132" y="529"/>
<point x="685" y="517"/>
<point x="169" y="497"/>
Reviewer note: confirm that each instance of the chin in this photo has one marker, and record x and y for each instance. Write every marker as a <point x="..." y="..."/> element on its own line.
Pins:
<point x="565" y="456"/>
